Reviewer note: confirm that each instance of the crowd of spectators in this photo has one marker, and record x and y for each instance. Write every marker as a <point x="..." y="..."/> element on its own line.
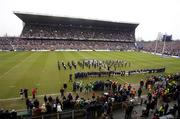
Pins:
<point x="54" y="44"/>
<point x="100" y="104"/>
<point x="162" y="89"/>
<point x="171" y="47"/>
<point x="5" y="43"/>
<point x="76" y="32"/>
<point x="6" y="114"/>
<point x="59" y="36"/>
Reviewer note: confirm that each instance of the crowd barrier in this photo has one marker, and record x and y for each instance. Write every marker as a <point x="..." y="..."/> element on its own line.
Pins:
<point x="72" y="114"/>
<point x="77" y="114"/>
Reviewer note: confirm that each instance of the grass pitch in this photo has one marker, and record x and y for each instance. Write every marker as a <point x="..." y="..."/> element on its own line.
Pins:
<point x="39" y="69"/>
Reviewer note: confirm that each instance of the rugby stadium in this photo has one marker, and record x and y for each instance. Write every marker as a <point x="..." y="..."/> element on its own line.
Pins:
<point x="62" y="67"/>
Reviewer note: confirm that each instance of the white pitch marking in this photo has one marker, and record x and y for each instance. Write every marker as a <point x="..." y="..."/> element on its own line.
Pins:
<point x="17" y="65"/>
<point x="12" y="86"/>
<point x="17" y="98"/>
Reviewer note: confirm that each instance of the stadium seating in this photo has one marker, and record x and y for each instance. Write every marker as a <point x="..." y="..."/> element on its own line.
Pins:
<point x="46" y="44"/>
<point x="75" y="32"/>
<point x="53" y="37"/>
<point x="42" y="32"/>
<point x="171" y="47"/>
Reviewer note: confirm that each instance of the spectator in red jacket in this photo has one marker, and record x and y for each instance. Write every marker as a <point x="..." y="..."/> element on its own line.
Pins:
<point x="34" y="91"/>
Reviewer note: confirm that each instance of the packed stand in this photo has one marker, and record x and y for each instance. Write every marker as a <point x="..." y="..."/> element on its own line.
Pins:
<point x="63" y="36"/>
<point x="53" y="44"/>
<point x="79" y="32"/>
<point x="6" y="43"/>
<point x="171" y="47"/>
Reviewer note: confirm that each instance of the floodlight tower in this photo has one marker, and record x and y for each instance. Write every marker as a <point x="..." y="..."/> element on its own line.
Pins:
<point x="164" y="45"/>
<point x="157" y="39"/>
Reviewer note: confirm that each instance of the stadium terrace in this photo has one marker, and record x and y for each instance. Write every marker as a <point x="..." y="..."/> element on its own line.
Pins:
<point x="42" y="32"/>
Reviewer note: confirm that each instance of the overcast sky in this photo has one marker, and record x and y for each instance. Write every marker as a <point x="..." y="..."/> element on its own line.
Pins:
<point x="153" y="16"/>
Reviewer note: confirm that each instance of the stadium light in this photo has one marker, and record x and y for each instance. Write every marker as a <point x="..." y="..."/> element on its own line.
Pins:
<point x="164" y="45"/>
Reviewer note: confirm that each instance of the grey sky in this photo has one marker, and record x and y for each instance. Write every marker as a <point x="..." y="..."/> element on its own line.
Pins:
<point x="153" y="15"/>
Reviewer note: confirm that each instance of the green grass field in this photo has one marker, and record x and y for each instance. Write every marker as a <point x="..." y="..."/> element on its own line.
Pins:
<point x="39" y="69"/>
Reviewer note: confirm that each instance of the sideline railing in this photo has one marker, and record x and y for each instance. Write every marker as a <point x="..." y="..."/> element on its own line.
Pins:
<point x="82" y="113"/>
<point x="75" y="114"/>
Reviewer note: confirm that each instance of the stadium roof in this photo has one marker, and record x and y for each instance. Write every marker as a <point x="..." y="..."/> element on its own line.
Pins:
<point x="47" y="19"/>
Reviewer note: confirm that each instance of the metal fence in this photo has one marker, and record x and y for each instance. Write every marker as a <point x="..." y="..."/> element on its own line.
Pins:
<point x="73" y="114"/>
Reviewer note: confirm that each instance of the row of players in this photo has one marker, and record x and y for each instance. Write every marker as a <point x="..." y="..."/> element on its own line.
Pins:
<point x="105" y="64"/>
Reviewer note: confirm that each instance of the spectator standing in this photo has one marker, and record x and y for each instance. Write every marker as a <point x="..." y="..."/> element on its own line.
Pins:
<point x="13" y="114"/>
<point x="59" y="109"/>
<point x="62" y="92"/>
<point x="34" y="91"/>
<point x="139" y="92"/>
<point x="48" y="108"/>
<point x="21" y="92"/>
<point x="74" y="86"/>
<point x="70" y="97"/>
<point x="77" y="97"/>
<point x="50" y="99"/>
<point x="26" y="93"/>
<point x="45" y="99"/>
<point x="161" y="110"/>
<point x="27" y="104"/>
<point x="93" y="96"/>
<point x="166" y="108"/>
<point x="133" y="92"/>
<point x="36" y="103"/>
<point x="141" y="83"/>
